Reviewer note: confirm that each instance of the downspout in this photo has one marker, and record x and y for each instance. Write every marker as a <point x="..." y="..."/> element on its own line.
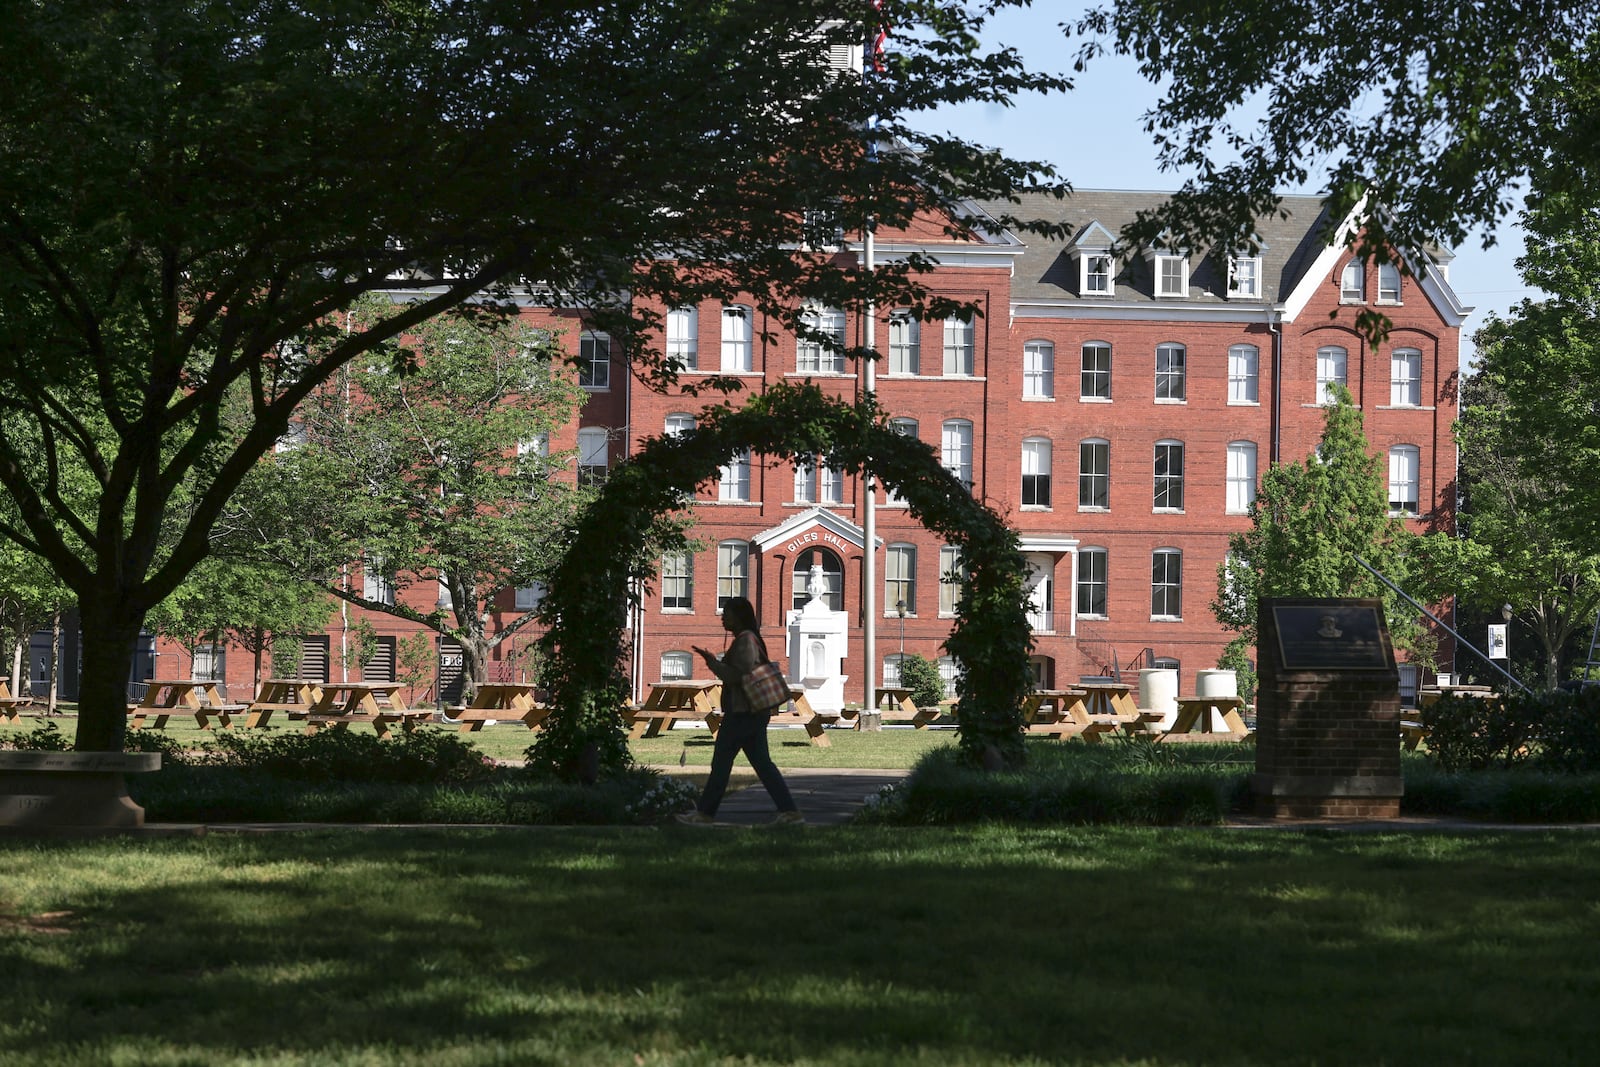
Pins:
<point x="1275" y="327"/>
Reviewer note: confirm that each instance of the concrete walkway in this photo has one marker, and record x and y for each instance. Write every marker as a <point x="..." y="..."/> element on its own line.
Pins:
<point x="825" y="796"/>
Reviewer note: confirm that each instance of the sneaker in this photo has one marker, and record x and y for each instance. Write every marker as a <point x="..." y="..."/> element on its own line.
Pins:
<point x="789" y="818"/>
<point x="694" y="818"/>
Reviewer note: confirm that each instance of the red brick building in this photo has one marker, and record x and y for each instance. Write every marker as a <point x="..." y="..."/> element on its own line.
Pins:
<point x="1116" y="410"/>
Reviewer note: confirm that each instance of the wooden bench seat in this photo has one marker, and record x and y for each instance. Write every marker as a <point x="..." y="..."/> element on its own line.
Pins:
<point x="379" y="722"/>
<point x="138" y="714"/>
<point x="260" y="714"/>
<point x="474" y="719"/>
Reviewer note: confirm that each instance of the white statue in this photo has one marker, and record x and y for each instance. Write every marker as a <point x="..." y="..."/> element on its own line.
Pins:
<point x="816" y="584"/>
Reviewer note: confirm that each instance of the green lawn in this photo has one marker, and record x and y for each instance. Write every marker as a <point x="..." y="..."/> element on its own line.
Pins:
<point x="891" y="748"/>
<point x="861" y="946"/>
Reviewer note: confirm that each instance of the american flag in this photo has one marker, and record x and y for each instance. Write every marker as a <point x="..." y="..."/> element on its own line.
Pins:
<point x="880" y="34"/>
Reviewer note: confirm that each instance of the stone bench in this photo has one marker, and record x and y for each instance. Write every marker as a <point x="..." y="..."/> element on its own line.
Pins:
<point x="79" y="790"/>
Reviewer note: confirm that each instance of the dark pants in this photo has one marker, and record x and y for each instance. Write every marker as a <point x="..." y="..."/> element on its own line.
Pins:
<point x="747" y="734"/>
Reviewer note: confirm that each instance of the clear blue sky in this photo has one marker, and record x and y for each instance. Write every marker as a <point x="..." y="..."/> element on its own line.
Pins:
<point x="1095" y="138"/>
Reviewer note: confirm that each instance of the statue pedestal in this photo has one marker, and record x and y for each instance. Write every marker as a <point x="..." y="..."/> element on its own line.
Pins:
<point x="816" y="654"/>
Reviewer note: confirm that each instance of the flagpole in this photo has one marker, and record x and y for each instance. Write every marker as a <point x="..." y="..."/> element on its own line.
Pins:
<point x="869" y="492"/>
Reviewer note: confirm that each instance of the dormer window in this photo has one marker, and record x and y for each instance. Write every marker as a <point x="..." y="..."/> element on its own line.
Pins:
<point x="1172" y="274"/>
<point x="1091" y="247"/>
<point x="1244" y="277"/>
<point x="1096" y="273"/>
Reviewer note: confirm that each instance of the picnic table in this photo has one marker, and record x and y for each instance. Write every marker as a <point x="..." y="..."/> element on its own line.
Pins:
<point x="1062" y="713"/>
<point x="672" y="702"/>
<point x="894" y="704"/>
<point x="10" y="705"/>
<point x="378" y="704"/>
<point x="1198" y="717"/>
<point x="202" y="698"/>
<point x="292" y="696"/>
<point x="497" y="701"/>
<point x="801" y="713"/>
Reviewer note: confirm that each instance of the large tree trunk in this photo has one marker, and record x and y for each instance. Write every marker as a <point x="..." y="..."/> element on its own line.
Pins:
<point x="110" y="639"/>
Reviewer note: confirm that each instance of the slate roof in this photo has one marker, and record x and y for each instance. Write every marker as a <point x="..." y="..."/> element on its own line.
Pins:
<point x="1047" y="271"/>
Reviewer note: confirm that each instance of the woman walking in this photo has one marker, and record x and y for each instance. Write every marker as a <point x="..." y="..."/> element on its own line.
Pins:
<point x="743" y="729"/>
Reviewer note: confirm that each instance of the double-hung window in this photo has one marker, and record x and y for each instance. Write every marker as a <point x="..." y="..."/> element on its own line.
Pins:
<point x="593" y="444"/>
<point x="1241" y="476"/>
<point x="734" y="482"/>
<point x="594" y="361"/>
<point x="1038" y="370"/>
<point x="1353" y="282"/>
<point x="733" y="571"/>
<point x="1094" y="474"/>
<point x="683" y="338"/>
<point x="1097" y="274"/>
<point x="816" y="483"/>
<point x="1166" y="583"/>
<point x="1388" y="283"/>
<point x="909" y="428"/>
<point x="1172" y="275"/>
<point x="1092" y="582"/>
<point x="905" y="344"/>
<point x="956" y="449"/>
<point x="1095" y="383"/>
<point x="1405" y="378"/>
<point x="1036" y="472"/>
<point x="1405" y="462"/>
<point x="1332" y="369"/>
<point x="1171" y="372"/>
<point x="1169" y="476"/>
<point x="1244" y="277"/>
<point x="900" y="578"/>
<point x="824" y="352"/>
<point x="1244" y="374"/>
<point x="677" y="582"/>
<point x="958" y="342"/>
<point x="952" y="572"/>
<point x="737" y="357"/>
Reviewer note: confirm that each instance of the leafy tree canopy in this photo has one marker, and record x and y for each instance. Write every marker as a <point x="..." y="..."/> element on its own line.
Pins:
<point x="192" y="194"/>
<point x="1310" y="522"/>
<point x="1433" y="109"/>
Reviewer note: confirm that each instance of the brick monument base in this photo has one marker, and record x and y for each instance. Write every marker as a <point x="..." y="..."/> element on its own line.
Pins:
<point x="1327" y="712"/>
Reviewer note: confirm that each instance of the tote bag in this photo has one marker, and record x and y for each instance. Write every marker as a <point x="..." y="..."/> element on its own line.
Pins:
<point x="766" y="688"/>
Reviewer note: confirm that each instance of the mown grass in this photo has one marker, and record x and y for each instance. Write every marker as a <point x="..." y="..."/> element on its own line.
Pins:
<point x="861" y="946"/>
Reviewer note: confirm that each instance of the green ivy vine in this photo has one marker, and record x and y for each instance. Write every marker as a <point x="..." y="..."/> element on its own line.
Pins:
<point x="612" y="552"/>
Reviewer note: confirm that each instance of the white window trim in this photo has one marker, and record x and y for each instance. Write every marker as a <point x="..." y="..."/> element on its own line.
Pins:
<point x="1158" y="261"/>
<point x="1234" y="289"/>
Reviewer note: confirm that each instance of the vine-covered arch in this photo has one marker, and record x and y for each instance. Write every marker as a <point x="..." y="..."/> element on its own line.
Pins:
<point x="617" y="542"/>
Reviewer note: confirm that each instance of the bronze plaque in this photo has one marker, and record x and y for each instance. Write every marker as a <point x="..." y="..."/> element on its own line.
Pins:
<point x="1331" y="635"/>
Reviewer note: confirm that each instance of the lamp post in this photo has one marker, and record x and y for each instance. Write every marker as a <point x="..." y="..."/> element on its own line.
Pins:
<point x="900" y="610"/>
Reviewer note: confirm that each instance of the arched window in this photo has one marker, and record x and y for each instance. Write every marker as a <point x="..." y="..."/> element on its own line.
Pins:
<point x="832" y="575"/>
<point x="677" y="666"/>
<point x="1353" y="282"/>
<point x="679" y="423"/>
<point x="909" y="428"/>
